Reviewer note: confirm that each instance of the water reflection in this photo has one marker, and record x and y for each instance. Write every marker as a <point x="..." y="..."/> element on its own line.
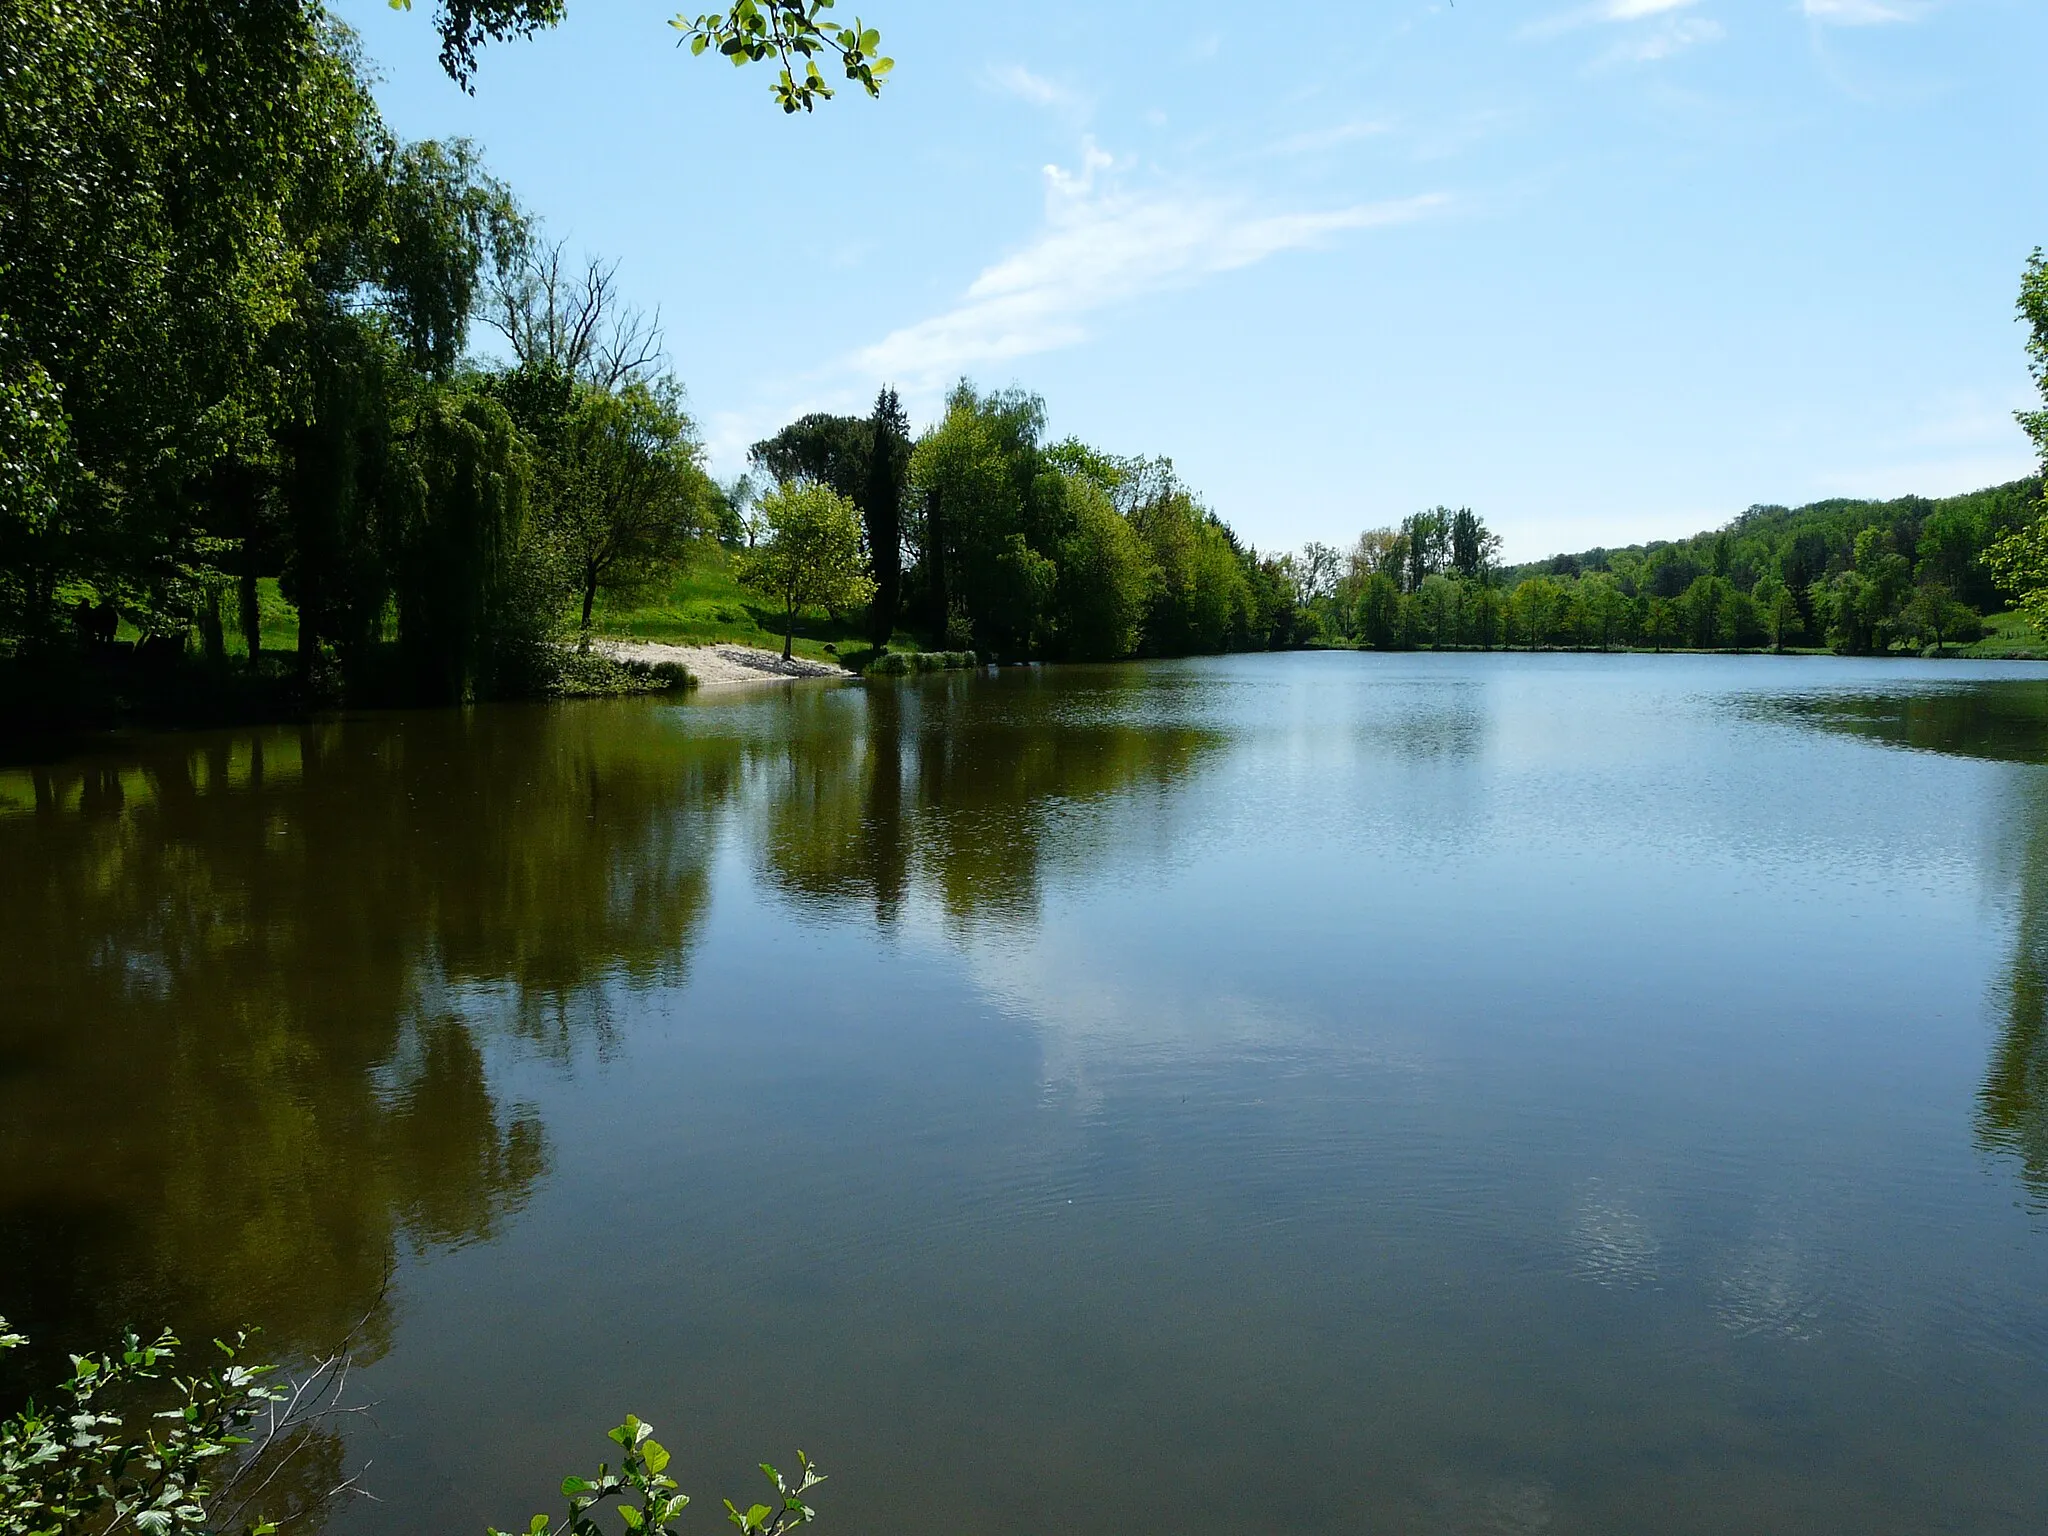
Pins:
<point x="2003" y="722"/>
<point x="243" y="1061"/>
<point x="963" y="789"/>
<point x="256" y="977"/>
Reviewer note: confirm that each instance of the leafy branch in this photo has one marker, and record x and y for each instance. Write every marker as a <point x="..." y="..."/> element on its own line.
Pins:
<point x="795" y="34"/>
<point x="196" y="1466"/>
<point x="649" y="1502"/>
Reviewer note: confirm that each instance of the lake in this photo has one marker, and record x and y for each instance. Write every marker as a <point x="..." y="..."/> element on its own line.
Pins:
<point x="1327" y="1092"/>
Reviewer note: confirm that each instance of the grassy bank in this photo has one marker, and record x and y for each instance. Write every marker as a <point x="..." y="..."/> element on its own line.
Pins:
<point x="703" y="605"/>
<point x="2007" y="636"/>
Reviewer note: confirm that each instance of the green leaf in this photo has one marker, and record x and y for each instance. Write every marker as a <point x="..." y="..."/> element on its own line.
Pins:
<point x="655" y="1455"/>
<point x="537" y="1526"/>
<point x="571" y="1486"/>
<point x="631" y="1516"/>
<point x="758" y="1516"/>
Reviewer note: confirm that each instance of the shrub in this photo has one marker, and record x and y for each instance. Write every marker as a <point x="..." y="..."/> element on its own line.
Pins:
<point x="649" y="1501"/>
<point x="905" y="663"/>
<point x="110" y="1452"/>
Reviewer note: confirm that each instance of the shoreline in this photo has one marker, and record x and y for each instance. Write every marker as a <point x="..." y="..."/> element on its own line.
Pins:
<point x="719" y="665"/>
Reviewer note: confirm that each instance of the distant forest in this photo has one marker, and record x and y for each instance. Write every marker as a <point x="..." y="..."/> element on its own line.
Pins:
<point x="1852" y="576"/>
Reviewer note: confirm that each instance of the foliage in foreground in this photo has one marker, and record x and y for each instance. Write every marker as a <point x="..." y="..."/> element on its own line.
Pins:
<point x="212" y="1459"/>
<point x="97" y="1459"/>
<point x="648" y="1500"/>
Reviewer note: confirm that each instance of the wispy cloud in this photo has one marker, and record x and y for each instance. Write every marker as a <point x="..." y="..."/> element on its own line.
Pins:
<point x="1864" y="13"/>
<point x="1674" y="36"/>
<point x="1316" y="140"/>
<point x="1015" y="80"/>
<point x="1101" y="246"/>
<point x="1636" y="10"/>
<point x="1603" y="11"/>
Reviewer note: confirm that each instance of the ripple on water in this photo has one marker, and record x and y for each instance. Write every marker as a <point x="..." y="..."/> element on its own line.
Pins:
<point x="1610" y="1242"/>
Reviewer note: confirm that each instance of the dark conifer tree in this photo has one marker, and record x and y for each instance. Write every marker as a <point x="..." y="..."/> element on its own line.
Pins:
<point x="881" y="502"/>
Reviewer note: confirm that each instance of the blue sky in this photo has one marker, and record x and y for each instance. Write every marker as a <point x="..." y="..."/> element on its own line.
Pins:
<point x="1604" y="271"/>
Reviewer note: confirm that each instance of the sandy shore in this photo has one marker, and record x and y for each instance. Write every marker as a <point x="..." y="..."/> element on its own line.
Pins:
<point x="719" y="666"/>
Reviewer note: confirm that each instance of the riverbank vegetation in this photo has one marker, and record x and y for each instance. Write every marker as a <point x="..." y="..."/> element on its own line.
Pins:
<point x="126" y="1442"/>
<point x="1909" y="575"/>
<point x="1857" y="577"/>
<point x="238" y="370"/>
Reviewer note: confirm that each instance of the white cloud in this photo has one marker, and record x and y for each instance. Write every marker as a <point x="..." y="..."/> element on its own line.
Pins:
<point x="1015" y="80"/>
<point x="1318" y="139"/>
<point x="1636" y="10"/>
<point x="1863" y="13"/>
<point x="1673" y="37"/>
<point x="1101" y="246"/>
<point x="1604" y="11"/>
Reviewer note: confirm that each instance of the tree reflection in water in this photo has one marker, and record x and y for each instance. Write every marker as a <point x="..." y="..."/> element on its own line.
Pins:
<point x="252" y="977"/>
<point x="961" y="788"/>
<point x="2003" y="722"/>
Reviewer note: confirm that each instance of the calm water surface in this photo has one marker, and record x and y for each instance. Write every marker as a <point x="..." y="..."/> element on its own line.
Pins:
<point x="1330" y="1092"/>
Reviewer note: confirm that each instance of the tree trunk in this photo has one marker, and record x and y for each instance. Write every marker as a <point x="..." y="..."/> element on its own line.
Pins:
<point x="211" y="630"/>
<point x="788" y="628"/>
<point x="250" y="610"/>
<point x="589" y="600"/>
<point x="935" y="564"/>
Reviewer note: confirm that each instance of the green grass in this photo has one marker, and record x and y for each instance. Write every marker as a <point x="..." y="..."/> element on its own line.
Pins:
<point x="2006" y="634"/>
<point x="704" y="605"/>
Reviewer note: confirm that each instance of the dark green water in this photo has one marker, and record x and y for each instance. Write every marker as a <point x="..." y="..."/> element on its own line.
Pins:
<point x="1330" y="1093"/>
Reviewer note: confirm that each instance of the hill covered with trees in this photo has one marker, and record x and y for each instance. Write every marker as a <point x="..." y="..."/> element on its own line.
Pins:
<point x="1847" y="575"/>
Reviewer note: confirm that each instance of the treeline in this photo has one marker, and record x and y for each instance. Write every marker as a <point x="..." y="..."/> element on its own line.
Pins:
<point x="1853" y="576"/>
<point x="985" y="536"/>
<point x="233" y="332"/>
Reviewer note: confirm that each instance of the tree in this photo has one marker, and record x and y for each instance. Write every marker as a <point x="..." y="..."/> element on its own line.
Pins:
<point x="793" y="33"/>
<point x="1604" y="606"/>
<point x="1104" y="579"/>
<point x="1379" y="611"/>
<point x="810" y="554"/>
<point x="1426" y="540"/>
<point x="1777" y="609"/>
<point x="1474" y="548"/>
<point x="1315" y="573"/>
<point x="563" y="320"/>
<point x="831" y="450"/>
<point x="466" y="496"/>
<point x="1934" y="616"/>
<point x="881" y="507"/>
<point x="2020" y="559"/>
<point x="1703" y="606"/>
<point x="1661" y="622"/>
<point x="626" y="492"/>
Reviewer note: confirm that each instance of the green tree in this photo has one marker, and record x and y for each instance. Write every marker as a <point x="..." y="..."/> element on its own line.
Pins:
<point x="1379" y="611"/>
<point x="35" y="462"/>
<point x="1703" y="607"/>
<point x="1777" y="610"/>
<point x="881" y="508"/>
<point x="1104" y="579"/>
<point x="1662" y="622"/>
<point x="1426" y="541"/>
<point x="2020" y="559"/>
<point x="1474" y="547"/>
<point x="793" y="34"/>
<point x="626" y="490"/>
<point x="1934" y="616"/>
<point x="464" y="517"/>
<point x="810" y="554"/>
<point x="1605" y="607"/>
